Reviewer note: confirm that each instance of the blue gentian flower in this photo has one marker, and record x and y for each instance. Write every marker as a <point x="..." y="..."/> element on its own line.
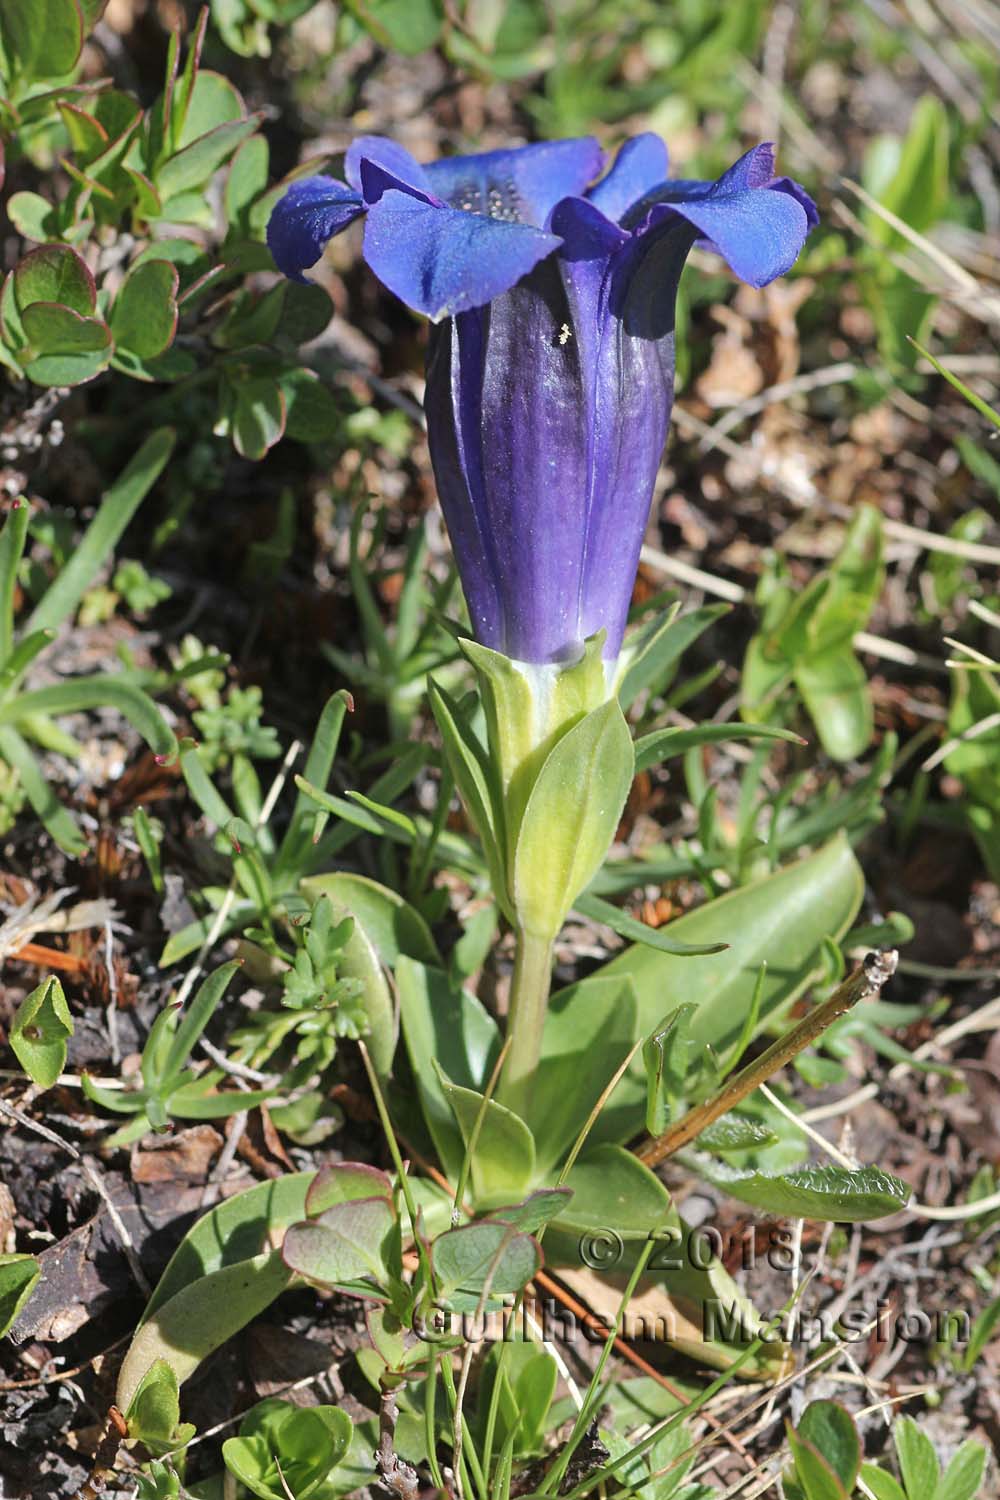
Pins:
<point x="550" y="368"/>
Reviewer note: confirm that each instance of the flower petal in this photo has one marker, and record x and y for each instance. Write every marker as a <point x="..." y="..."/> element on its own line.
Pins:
<point x="639" y="167"/>
<point x="760" y="232"/>
<point x="441" y="261"/>
<point x="522" y="185"/>
<point x="389" y="155"/>
<point x="304" y="221"/>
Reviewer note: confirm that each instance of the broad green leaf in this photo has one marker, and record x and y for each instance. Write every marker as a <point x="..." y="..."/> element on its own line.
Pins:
<point x="144" y="316"/>
<point x="258" y="420"/>
<point x="443" y="1023"/>
<point x="812" y="1192"/>
<point x="42" y="38"/>
<point x="55" y="273"/>
<point x="735" y="1133"/>
<point x="571" y="817"/>
<point x="39" y="1032"/>
<point x="192" y="166"/>
<point x="917" y="189"/>
<point x="830" y="1428"/>
<point x="835" y="691"/>
<point x="199" y="1318"/>
<point x="34" y="217"/>
<point x="120" y="504"/>
<point x="312" y="412"/>
<point x="391" y="923"/>
<point x="19" y="1275"/>
<point x="234" y="1231"/>
<point x="407" y="26"/>
<point x="286" y="1449"/>
<point x="964" y="1474"/>
<point x="343" y="1182"/>
<point x="783" y="918"/>
<point x="582" y="1047"/>
<point x="154" y="1413"/>
<point x="247" y="179"/>
<point x="613" y="1191"/>
<point x="344" y="1244"/>
<point x="537" y="1209"/>
<point x="917" y="1459"/>
<point x="882" y="1485"/>
<point x="503" y="1159"/>
<point x="814" y="1476"/>
<point x="489" y="1254"/>
<point x="63" y="348"/>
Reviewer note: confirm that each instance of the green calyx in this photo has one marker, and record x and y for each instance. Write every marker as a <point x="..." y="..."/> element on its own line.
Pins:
<point x="547" y="789"/>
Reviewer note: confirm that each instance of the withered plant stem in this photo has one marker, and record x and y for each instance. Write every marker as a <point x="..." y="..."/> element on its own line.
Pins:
<point x="863" y="984"/>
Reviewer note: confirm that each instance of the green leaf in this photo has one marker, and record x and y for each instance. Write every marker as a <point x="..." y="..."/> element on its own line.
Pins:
<point x="120" y="504"/>
<point x="55" y="273"/>
<point x="571" y="816"/>
<point x="489" y="1254"/>
<point x="63" y="348"/>
<point x="917" y="1460"/>
<point x="313" y="415"/>
<point x="735" y="1133"/>
<point x="599" y="910"/>
<point x="60" y="825"/>
<point x="783" y="918"/>
<point x="981" y="406"/>
<point x="34" y="217"/>
<point x="234" y="1231"/>
<point x="154" y="1413"/>
<point x="199" y="1318"/>
<point x="652" y="652"/>
<point x="73" y="694"/>
<point x="247" y="179"/>
<point x="344" y="1182"/>
<point x="12" y="540"/>
<point x="653" y="749"/>
<point x="144" y="316"/>
<point x="19" y="1275"/>
<point x="285" y="1449"/>
<point x="39" y="1032"/>
<point x="835" y="691"/>
<point x="537" y="1209"/>
<point x="475" y="781"/>
<point x="391" y="923"/>
<point x="42" y="38"/>
<point x="442" y="1022"/>
<point x="407" y="26"/>
<point x="258" y="420"/>
<point x="830" y="1428"/>
<point x="882" y="1485"/>
<point x="583" y="1045"/>
<point x="917" y="190"/>
<point x="823" y="1192"/>
<point x="982" y="1332"/>
<point x="344" y="1244"/>
<point x="666" y="1058"/>
<point x="192" y="166"/>
<point x="964" y="1474"/>
<point x="815" y="1478"/>
<point x="503" y="1161"/>
<point x="196" y="1018"/>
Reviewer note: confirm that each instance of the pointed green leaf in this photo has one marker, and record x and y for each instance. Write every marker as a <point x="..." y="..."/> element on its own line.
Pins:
<point x="38" y="1035"/>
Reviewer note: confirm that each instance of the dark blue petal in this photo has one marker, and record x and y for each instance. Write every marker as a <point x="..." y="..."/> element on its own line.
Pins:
<point x="640" y="166"/>
<point x="755" y="169"/>
<point x="522" y="185"/>
<point x="758" y="232"/>
<point x="388" y="155"/>
<point x="304" y="221"/>
<point x="441" y="261"/>
<point x="798" y="192"/>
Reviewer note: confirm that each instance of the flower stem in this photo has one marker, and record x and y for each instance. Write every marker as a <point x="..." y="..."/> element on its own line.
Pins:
<point x="529" y="998"/>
